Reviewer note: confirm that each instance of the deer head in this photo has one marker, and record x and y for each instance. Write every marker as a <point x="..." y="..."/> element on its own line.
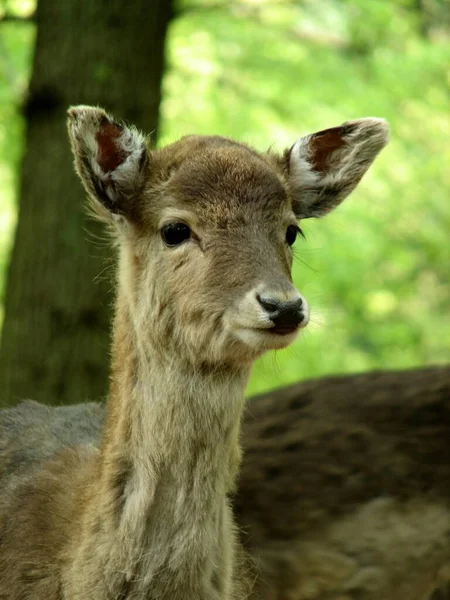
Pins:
<point x="206" y="227"/>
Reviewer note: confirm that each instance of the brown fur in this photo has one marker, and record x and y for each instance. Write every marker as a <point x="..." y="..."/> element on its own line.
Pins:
<point x="344" y="492"/>
<point x="145" y="515"/>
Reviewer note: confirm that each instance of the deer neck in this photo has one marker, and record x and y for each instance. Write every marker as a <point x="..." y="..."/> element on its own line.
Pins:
<point x="172" y="424"/>
<point x="170" y="453"/>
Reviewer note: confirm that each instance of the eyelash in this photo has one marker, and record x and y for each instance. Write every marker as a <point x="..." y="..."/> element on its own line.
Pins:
<point x="291" y="234"/>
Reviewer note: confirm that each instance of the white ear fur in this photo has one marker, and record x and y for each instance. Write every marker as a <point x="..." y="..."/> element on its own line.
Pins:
<point x="110" y="157"/>
<point x="326" y="166"/>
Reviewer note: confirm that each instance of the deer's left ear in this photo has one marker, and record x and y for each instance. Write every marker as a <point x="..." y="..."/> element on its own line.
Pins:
<point x="324" y="167"/>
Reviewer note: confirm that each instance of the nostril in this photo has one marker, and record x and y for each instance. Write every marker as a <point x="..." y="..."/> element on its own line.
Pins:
<point x="271" y="305"/>
<point x="297" y="304"/>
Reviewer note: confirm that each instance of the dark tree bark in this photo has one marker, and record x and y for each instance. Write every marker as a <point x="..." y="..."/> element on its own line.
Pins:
<point x="58" y="304"/>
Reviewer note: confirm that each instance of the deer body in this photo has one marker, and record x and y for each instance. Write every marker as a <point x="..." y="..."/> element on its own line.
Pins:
<point x="204" y="229"/>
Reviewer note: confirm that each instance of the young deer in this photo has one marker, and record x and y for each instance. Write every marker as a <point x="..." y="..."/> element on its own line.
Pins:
<point x="204" y="229"/>
<point x="344" y="492"/>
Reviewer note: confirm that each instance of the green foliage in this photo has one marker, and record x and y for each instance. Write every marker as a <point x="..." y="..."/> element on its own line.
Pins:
<point x="16" y="41"/>
<point x="376" y="272"/>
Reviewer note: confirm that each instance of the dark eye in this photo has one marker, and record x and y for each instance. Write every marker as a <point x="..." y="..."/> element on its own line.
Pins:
<point x="175" y="233"/>
<point x="291" y="234"/>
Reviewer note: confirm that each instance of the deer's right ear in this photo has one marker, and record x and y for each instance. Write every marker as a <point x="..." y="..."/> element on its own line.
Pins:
<point x="111" y="159"/>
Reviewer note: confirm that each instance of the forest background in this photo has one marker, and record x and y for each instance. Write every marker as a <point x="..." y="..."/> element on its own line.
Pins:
<point x="376" y="272"/>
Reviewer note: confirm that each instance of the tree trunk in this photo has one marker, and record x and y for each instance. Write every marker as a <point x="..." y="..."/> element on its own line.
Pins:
<point x="55" y="337"/>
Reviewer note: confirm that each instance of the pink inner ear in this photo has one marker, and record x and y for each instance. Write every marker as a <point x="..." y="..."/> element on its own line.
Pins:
<point x="323" y="144"/>
<point x="110" y="155"/>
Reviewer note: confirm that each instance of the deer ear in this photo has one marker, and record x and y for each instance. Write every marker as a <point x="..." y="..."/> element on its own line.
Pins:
<point x="326" y="166"/>
<point x="110" y="158"/>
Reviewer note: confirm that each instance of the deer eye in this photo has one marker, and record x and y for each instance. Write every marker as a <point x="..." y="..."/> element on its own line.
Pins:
<point x="175" y="234"/>
<point x="291" y="234"/>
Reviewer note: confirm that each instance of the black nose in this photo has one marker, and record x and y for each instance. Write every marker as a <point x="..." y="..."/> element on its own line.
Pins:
<point x="285" y="316"/>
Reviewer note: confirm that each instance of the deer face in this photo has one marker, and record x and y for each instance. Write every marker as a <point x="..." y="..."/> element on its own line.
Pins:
<point x="206" y="226"/>
<point x="227" y="227"/>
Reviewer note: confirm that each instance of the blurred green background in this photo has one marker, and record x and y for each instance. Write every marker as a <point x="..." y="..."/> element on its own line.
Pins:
<point x="376" y="272"/>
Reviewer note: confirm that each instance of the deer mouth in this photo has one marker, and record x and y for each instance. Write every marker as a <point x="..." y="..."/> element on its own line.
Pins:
<point x="263" y="339"/>
<point x="282" y="329"/>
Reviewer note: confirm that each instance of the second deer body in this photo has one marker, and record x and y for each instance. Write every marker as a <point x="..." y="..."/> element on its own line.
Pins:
<point x="344" y="493"/>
